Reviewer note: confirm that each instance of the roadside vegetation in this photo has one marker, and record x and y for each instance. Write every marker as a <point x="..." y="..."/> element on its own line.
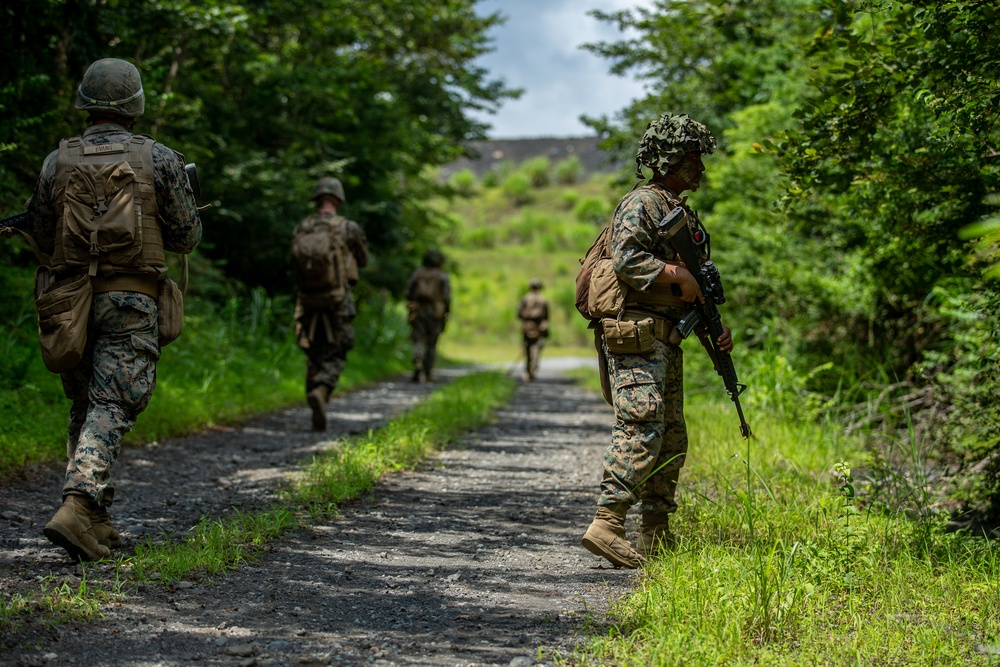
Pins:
<point x="236" y="358"/>
<point x="789" y="556"/>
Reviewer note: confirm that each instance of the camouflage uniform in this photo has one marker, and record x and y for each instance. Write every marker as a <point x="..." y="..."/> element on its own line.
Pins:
<point x="326" y="336"/>
<point x="427" y="319"/>
<point x="115" y="380"/>
<point x="534" y="328"/>
<point x="649" y="439"/>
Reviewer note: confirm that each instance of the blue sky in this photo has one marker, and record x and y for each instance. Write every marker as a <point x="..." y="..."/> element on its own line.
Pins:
<point x="537" y="49"/>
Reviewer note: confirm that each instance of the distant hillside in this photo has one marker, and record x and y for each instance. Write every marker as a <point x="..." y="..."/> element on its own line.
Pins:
<point x="492" y="153"/>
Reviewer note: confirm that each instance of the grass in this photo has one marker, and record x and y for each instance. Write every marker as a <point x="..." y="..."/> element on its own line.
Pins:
<point x="780" y="562"/>
<point x="231" y="363"/>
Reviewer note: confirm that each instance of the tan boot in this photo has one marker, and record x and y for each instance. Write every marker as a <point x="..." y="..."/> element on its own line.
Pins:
<point x="71" y="529"/>
<point x="606" y="538"/>
<point x="101" y="528"/>
<point x="317" y="401"/>
<point x="655" y="536"/>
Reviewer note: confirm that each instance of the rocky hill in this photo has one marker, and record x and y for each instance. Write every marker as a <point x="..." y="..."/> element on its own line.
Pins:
<point x="489" y="154"/>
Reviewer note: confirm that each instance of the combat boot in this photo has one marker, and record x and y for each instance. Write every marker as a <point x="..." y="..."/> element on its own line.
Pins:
<point x="418" y="370"/>
<point x="317" y="401"/>
<point x="101" y="528"/>
<point x="606" y="538"/>
<point x="655" y="536"/>
<point x="72" y="529"/>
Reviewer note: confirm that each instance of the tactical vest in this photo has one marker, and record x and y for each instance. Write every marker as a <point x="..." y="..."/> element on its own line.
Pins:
<point x="601" y="293"/>
<point x="106" y="215"/>
<point x="428" y="285"/>
<point x="533" y="307"/>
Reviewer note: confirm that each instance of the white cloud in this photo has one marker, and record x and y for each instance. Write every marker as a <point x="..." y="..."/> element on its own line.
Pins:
<point x="538" y="49"/>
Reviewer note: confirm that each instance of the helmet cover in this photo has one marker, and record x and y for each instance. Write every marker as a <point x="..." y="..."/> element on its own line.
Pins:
<point x="113" y="86"/>
<point x="667" y="139"/>
<point x="328" y="185"/>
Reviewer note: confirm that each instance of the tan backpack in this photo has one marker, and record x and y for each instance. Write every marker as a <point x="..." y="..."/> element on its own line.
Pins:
<point x="325" y="265"/>
<point x="427" y="285"/>
<point x="107" y="200"/>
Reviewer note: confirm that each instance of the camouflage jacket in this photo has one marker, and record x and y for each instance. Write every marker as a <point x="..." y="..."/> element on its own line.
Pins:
<point x="178" y="211"/>
<point x="638" y="253"/>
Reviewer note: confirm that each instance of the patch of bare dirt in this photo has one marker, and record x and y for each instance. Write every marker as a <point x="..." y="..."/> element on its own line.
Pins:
<point x="472" y="559"/>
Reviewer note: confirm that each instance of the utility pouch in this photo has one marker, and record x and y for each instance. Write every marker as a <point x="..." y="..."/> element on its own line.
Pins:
<point x="629" y="336"/>
<point x="606" y="295"/>
<point x="63" y="313"/>
<point x="170" y="311"/>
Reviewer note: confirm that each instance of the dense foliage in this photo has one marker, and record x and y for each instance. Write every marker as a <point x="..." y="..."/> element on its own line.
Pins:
<point x="265" y="96"/>
<point x="858" y="141"/>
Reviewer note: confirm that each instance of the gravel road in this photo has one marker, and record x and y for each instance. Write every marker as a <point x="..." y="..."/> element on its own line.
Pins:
<point x="472" y="559"/>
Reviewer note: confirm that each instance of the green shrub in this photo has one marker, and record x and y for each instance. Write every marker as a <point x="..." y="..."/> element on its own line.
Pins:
<point x="481" y="237"/>
<point x="568" y="199"/>
<point x="593" y="210"/>
<point x="538" y="170"/>
<point x="517" y="186"/>
<point x="491" y="179"/>
<point x="464" y="182"/>
<point x="569" y="170"/>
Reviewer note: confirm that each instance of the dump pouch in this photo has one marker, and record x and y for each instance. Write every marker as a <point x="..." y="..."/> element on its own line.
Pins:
<point x="63" y="313"/>
<point x="629" y="336"/>
<point x="170" y="311"/>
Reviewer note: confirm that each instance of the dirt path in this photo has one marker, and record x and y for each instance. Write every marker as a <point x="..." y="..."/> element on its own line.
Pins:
<point x="473" y="559"/>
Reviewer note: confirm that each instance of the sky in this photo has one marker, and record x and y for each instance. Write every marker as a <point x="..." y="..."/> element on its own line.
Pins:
<point x="538" y="49"/>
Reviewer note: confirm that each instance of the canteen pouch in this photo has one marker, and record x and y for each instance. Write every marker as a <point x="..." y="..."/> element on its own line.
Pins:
<point x="629" y="336"/>
<point x="63" y="313"/>
<point x="170" y="307"/>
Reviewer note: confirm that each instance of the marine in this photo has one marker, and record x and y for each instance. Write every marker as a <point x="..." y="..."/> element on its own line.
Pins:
<point x="649" y="439"/>
<point x="328" y="251"/>
<point x="533" y="312"/>
<point x="428" y="294"/>
<point x="112" y="257"/>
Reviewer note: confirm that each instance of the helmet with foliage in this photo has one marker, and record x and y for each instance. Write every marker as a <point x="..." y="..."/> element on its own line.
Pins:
<point x="433" y="258"/>
<point x="328" y="185"/>
<point x="535" y="283"/>
<point x="667" y="139"/>
<point x="112" y="86"/>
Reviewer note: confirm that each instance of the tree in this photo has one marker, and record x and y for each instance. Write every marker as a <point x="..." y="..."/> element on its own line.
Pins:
<point x="266" y="96"/>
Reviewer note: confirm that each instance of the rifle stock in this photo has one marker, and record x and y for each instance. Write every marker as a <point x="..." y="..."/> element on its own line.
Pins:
<point x="674" y="229"/>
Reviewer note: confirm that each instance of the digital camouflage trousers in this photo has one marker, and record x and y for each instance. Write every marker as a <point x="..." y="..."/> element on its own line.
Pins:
<point x="332" y="337"/>
<point x="424" y="332"/>
<point x="649" y="439"/>
<point x="109" y="388"/>
<point x="532" y="353"/>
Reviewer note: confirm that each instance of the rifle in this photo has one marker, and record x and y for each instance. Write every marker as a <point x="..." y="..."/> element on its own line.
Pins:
<point x="674" y="229"/>
<point x="16" y="222"/>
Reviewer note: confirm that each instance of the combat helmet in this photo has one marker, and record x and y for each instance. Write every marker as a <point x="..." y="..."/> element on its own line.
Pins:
<point x="433" y="258"/>
<point x="667" y="139"/>
<point x="328" y="185"/>
<point x="113" y="86"/>
<point x="535" y="283"/>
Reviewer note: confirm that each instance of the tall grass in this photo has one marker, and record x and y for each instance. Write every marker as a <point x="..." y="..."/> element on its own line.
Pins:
<point x="780" y="563"/>
<point x="233" y="361"/>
